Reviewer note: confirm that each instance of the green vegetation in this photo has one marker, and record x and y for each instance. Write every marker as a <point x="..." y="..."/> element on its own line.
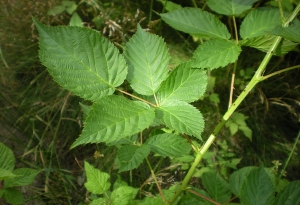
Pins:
<point x="130" y="115"/>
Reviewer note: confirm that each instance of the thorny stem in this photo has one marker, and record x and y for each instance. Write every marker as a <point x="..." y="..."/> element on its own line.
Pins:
<point x="255" y="79"/>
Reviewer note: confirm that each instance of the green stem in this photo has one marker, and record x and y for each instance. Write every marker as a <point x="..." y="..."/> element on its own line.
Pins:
<point x="256" y="79"/>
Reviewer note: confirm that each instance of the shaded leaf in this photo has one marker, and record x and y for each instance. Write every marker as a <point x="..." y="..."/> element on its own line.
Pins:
<point x="7" y="159"/>
<point x="257" y="188"/>
<point x="290" y="195"/>
<point x="230" y="7"/>
<point x="184" y="83"/>
<point x="13" y="196"/>
<point x="169" y="5"/>
<point x="97" y="181"/>
<point x="215" y="53"/>
<point x="197" y="22"/>
<point x="24" y="176"/>
<point x="216" y="186"/>
<point x="292" y="32"/>
<point x="131" y="156"/>
<point x="148" y="58"/>
<point x="81" y="60"/>
<point x="259" y="22"/>
<point x="182" y="117"/>
<point x="114" y="118"/>
<point x="168" y="145"/>
<point x="238" y="178"/>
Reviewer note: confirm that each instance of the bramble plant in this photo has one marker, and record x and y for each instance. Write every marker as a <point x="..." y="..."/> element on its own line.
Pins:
<point x="87" y="64"/>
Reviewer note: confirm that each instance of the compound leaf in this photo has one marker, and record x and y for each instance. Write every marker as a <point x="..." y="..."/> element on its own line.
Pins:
<point x="230" y="7"/>
<point x="197" y="22"/>
<point x="290" y="194"/>
<point x="216" y="186"/>
<point x="182" y="117"/>
<point x="184" y="83"/>
<point x="131" y="156"/>
<point x="168" y="145"/>
<point x="148" y="57"/>
<point x="113" y="118"/>
<point x="81" y="60"/>
<point x="215" y="53"/>
<point x="97" y="181"/>
<point x="257" y="188"/>
<point x="260" y="22"/>
<point x="237" y="179"/>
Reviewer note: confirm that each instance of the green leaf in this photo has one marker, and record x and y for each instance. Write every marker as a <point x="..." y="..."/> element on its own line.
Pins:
<point x="257" y="188"/>
<point x="247" y="131"/>
<point x="215" y="53"/>
<point x="70" y="6"/>
<point x="148" y="57"/>
<point x="7" y="159"/>
<point x="184" y="83"/>
<point x="114" y="118"/>
<point x="238" y="178"/>
<point x="169" y="5"/>
<point x="123" y="195"/>
<point x="290" y="195"/>
<point x="260" y="22"/>
<point x="97" y="181"/>
<point x="100" y="201"/>
<point x="264" y="43"/>
<point x="197" y="22"/>
<point x="182" y="117"/>
<point x="76" y="20"/>
<point x="230" y="7"/>
<point x="6" y="174"/>
<point x="131" y="156"/>
<point x="192" y="199"/>
<point x="25" y="176"/>
<point x="13" y="196"/>
<point x="168" y="145"/>
<point x="216" y="186"/>
<point x="239" y="118"/>
<point x="292" y="32"/>
<point x="56" y="10"/>
<point x="80" y="60"/>
<point x="233" y="127"/>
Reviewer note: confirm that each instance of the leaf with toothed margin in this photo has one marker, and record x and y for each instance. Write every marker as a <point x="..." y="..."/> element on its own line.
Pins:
<point x="81" y="60"/>
<point x="114" y="118"/>
<point x="148" y="58"/>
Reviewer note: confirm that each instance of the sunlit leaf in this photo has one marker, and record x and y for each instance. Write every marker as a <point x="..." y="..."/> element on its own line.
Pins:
<point x="81" y="60"/>
<point x="215" y="53"/>
<point x="114" y="118"/>
<point x="195" y="21"/>
<point x="97" y="181"/>
<point x="230" y="7"/>
<point x="184" y="83"/>
<point x="148" y="57"/>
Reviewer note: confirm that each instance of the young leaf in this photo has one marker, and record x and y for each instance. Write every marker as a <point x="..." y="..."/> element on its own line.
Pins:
<point x="216" y="186"/>
<point x="292" y="32"/>
<point x="215" y="53"/>
<point x="97" y="181"/>
<point x="80" y="60"/>
<point x="238" y="178"/>
<point x="182" y="117"/>
<point x="123" y="195"/>
<point x="197" y="22"/>
<point x="168" y="145"/>
<point x="131" y="156"/>
<point x="148" y="57"/>
<point x="7" y="159"/>
<point x="13" y="196"/>
<point x="169" y="5"/>
<point x="113" y="118"/>
<point x="184" y="83"/>
<point x="259" y="22"/>
<point x="230" y="7"/>
<point x="264" y="43"/>
<point x="25" y="176"/>
<point x="6" y="174"/>
<point x="290" y="195"/>
<point x="99" y="201"/>
<point x="257" y="188"/>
